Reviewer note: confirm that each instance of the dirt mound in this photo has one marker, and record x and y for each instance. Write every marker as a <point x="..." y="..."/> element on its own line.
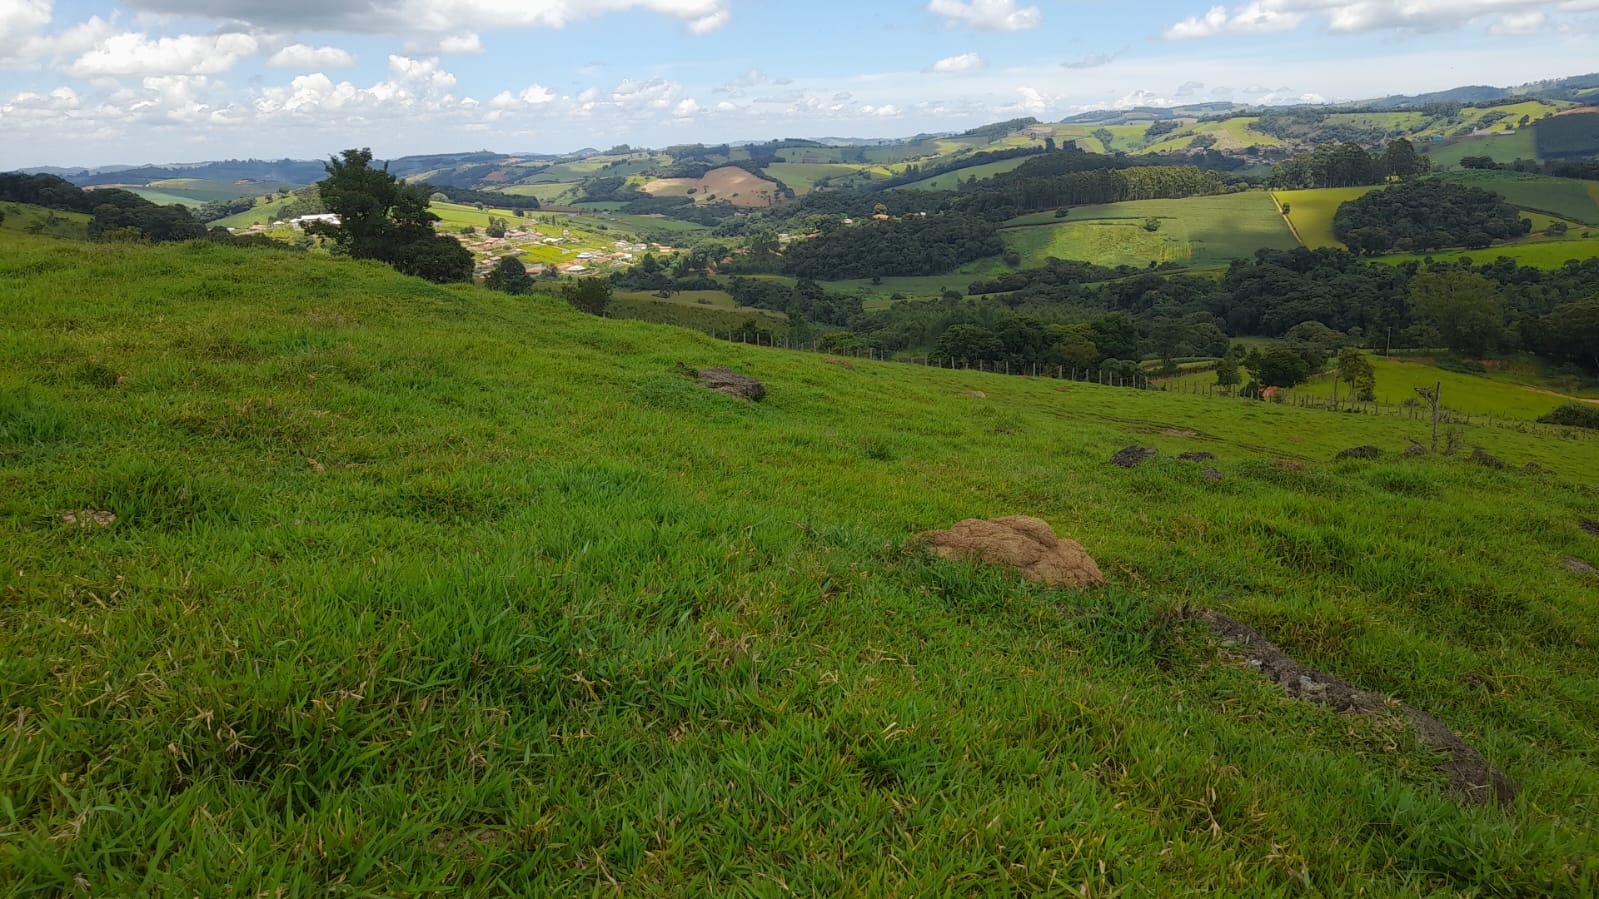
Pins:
<point x="730" y="382"/>
<point x="1289" y="465"/>
<point x="1415" y="449"/>
<point x="1577" y="566"/>
<point x="83" y="518"/>
<point x="1213" y="475"/>
<point x="1134" y="456"/>
<point x="1358" y="452"/>
<point x="1589" y="525"/>
<point x="1025" y="544"/>
<point x="1471" y="779"/>
<point x="974" y="394"/>
<point x="1197" y="457"/>
<point x="1481" y="457"/>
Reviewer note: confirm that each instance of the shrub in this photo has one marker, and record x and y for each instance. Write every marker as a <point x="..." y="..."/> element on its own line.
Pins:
<point x="1576" y="415"/>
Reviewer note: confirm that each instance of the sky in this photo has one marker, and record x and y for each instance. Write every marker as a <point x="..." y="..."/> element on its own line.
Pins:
<point x="101" y="82"/>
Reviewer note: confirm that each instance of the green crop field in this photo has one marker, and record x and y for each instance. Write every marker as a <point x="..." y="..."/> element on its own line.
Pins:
<point x="1568" y="198"/>
<point x="1311" y="211"/>
<point x="319" y="579"/>
<point x="1500" y="147"/>
<point x="952" y="180"/>
<point x="802" y="176"/>
<point x="1536" y="253"/>
<point x="1196" y="230"/>
<point x="547" y="193"/>
<point x="165" y="198"/>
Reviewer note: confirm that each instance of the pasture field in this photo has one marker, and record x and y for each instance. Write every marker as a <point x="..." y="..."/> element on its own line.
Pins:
<point x="1195" y="230"/>
<point x="551" y="192"/>
<point x="1568" y="198"/>
<point x="1537" y="253"/>
<point x="1499" y="147"/>
<point x="414" y="589"/>
<point x="802" y="176"/>
<point x="1519" y="394"/>
<point x="719" y="314"/>
<point x="1230" y="134"/>
<point x="953" y="179"/>
<point x="1311" y="212"/>
<point x="27" y="218"/>
<point x="163" y="198"/>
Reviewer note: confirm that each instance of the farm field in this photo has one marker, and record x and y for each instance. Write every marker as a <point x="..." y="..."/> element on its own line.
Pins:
<point x="803" y="176"/>
<point x="1569" y="198"/>
<point x="1312" y="211"/>
<point x="952" y="180"/>
<point x="421" y="589"/>
<point x="1518" y="395"/>
<point x="717" y="314"/>
<point x="26" y="218"/>
<point x="1230" y="134"/>
<point x="1500" y="147"/>
<point x="1537" y="253"/>
<point x="1196" y="230"/>
<point x="735" y="185"/>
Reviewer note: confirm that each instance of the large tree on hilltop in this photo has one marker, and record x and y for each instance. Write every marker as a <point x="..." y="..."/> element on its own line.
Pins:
<point x="382" y="217"/>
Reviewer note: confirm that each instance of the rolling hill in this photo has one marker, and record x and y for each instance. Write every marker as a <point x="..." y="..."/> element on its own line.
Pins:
<point x="319" y="575"/>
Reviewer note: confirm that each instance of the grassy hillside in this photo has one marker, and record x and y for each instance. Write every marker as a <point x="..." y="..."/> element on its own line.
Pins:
<point x="1196" y="230"/>
<point x="1569" y="198"/>
<point x="29" y="219"/>
<point x="414" y="589"/>
<point x="953" y="179"/>
<point x="1523" y="394"/>
<point x="1498" y="146"/>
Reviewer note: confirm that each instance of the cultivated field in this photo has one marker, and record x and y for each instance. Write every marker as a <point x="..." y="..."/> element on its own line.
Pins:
<point x="1311" y="212"/>
<point x="734" y="185"/>
<point x="1196" y="230"/>
<point x="1568" y="198"/>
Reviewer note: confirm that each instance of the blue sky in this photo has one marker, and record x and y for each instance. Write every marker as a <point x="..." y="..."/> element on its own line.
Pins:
<point x="90" y="83"/>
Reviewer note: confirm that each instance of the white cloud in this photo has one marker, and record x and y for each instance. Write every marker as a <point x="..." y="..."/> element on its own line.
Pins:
<point x="1519" y="23"/>
<point x="20" y="20"/>
<point x="686" y="108"/>
<point x="300" y="56"/>
<point x="187" y="54"/>
<point x="461" y="45"/>
<point x="987" y="15"/>
<point x="887" y="111"/>
<point x="430" y="17"/>
<point x="966" y="62"/>
<point x="1360" y="16"/>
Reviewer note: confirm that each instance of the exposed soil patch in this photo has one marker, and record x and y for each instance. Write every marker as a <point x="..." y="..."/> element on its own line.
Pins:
<point x="728" y="183"/>
<point x="730" y="382"/>
<point x="1179" y="432"/>
<point x="1589" y="525"/>
<point x="974" y="394"/>
<point x="1197" y="457"/>
<point x="1358" y="452"/>
<point x="86" y="518"/>
<point x="1134" y="456"/>
<point x="1483" y="458"/>
<point x="1027" y="545"/>
<point x="1577" y="566"/>
<point x="1471" y="779"/>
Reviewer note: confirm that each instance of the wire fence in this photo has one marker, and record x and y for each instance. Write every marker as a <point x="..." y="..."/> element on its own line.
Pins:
<point x="1117" y="376"/>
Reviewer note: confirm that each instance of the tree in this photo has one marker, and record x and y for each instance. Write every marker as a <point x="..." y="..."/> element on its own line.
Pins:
<point x="1401" y="161"/>
<point x="1355" y="370"/>
<point x="1313" y="341"/>
<point x="382" y="217"/>
<point x="968" y="343"/>
<point x="1227" y="372"/>
<point x="591" y="295"/>
<point x="510" y="276"/>
<point x="1465" y="306"/>
<point x="1277" y="367"/>
<point x="496" y="227"/>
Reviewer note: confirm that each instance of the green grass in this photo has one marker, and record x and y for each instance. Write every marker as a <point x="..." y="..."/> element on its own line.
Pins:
<point x="427" y="590"/>
<point x="1568" y="198"/>
<point x="802" y="176"/>
<point x="1535" y="253"/>
<point x="1193" y="231"/>
<point x="29" y="219"/>
<point x="717" y="315"/>
<point x="1498" y="147"/>
<point x="1520" y="392"/>
<point x="953" y="179"/>
<point x="1311" y="212"/>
